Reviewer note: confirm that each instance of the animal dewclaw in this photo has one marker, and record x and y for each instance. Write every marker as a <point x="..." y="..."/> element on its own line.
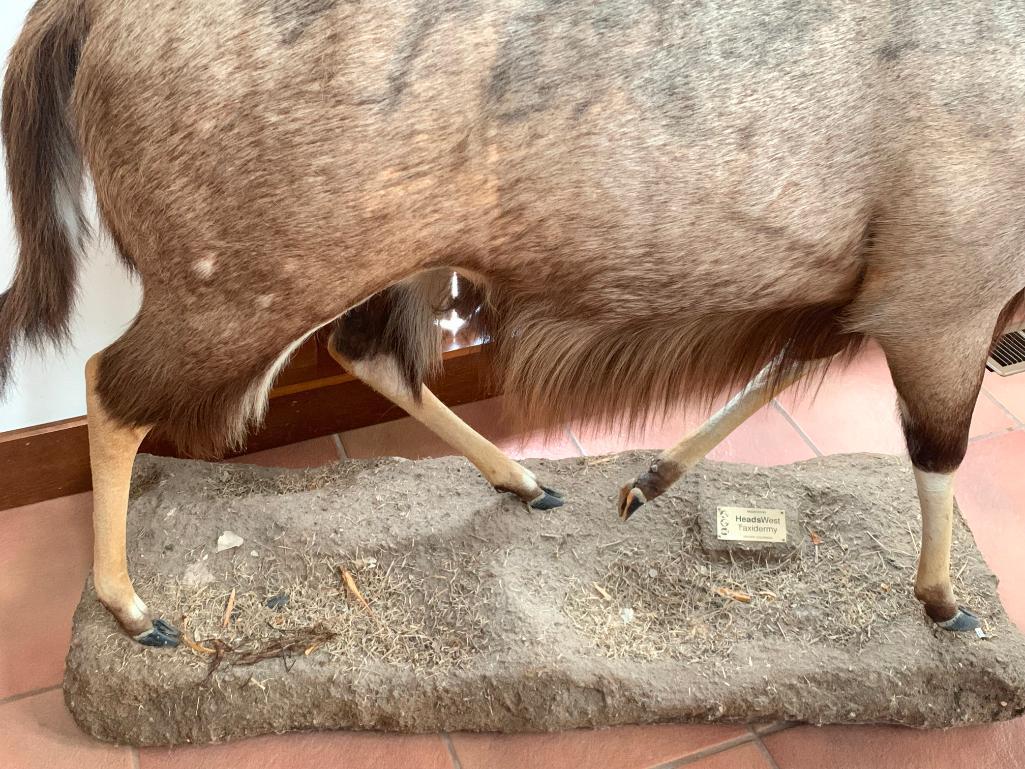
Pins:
<point x="644" y="201"/>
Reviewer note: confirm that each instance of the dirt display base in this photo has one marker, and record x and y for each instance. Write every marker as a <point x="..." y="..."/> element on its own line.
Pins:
<point x="408" y="596"/>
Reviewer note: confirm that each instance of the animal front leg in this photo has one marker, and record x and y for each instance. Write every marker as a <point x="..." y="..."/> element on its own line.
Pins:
<point x="112" y="449"/>
<point x="381" y="373"/>
<point x="938" y="376"/>
<point x="674" y="462"/>
<point x="932" y="583"/>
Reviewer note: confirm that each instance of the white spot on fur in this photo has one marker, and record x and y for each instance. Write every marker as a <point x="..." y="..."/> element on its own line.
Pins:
<point x="204" y="267"/>
<point x="264" y="301"/>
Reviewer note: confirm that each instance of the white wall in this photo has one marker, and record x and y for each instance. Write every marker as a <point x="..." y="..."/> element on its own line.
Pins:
<point x="48" y="384"/>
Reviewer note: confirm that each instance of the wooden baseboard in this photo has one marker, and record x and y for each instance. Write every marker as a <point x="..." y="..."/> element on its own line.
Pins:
<point x="313" y="397"/>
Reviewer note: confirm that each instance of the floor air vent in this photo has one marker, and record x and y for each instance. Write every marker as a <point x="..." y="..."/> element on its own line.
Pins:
<point x="1008" y="355"/>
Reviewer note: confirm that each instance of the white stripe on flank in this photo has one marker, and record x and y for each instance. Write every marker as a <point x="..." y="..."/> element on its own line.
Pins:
<point x="254" y="402"/>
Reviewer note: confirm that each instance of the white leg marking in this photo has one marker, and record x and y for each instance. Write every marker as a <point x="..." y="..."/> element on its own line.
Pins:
<point x="936" y="496"/>
<point x="138" y="609"/>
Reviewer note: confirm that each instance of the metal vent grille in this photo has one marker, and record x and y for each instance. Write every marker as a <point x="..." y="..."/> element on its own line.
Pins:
<point x="1008" y="355"/>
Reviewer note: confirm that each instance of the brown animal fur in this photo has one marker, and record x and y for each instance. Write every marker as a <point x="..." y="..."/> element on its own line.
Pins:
<point x="400" y="322"/>
<point x="655" y="198"/>
<point x="43" y="165"/>
<point x="607" y="366"/>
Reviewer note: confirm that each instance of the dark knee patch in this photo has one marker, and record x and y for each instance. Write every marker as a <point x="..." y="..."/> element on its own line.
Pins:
<point x="658" y="478"/>
<point x="943" y="612"/>
<point x="362" y="332"/>
<point x="937" y="603"/>
<point x="936" y="445"/>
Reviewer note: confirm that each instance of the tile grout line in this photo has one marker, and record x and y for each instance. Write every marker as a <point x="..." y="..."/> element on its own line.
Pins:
<point x="765" y="752"/>
<point x="994" y="434"/>
<point x="30" y="693"/>
<point x="447" y="739"/>
<point x="793" y="423"/>
<point x="775" y="728"/>
<point x="711" y="750"/>
<point x="576" y="442"/>
<point x="1002" y="407"/>
<point x="339" y="448"/>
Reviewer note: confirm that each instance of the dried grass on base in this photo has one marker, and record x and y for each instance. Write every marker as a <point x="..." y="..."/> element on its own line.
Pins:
<point x="427" y="617"/>
<point x="240" y="481"/>
<point x="244" y="483"/>
<point x="679" y="606"/>
<point x="665" y="598"/>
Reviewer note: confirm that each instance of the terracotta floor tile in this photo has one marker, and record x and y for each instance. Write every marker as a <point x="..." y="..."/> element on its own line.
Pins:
<point x="45" y="555"/>
<point x="626" y="747"/>
<point x="767" y="438"/>
<point x="855" y="409"/>
<point x="887" y="747"/>
<point x="325" y="750"/>
<point x="746" y="756"/>
<point x="990" y="489"/>
<point x="989" y="418"/>
<point x="1009" y="391"/>
<point x="38" y="732"/>
<point x="408" y="438"/>
<point x="311" y="453"/>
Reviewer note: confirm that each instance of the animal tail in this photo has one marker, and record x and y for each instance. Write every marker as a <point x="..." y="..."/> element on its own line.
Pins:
<point x="44" y="175"/>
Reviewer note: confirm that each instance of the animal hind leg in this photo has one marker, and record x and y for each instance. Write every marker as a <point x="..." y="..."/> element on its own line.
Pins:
<point x="674" y="462"/>
<point x="381" y="373"/>
<point x="112" y="449"/>
<point x="938" y="378"/>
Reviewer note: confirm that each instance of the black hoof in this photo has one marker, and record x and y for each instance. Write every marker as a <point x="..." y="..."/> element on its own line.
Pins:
<point x="630" y="501"/>
<point x="553" y="492"/>
<point x="962" y="622"/>
<point x="548" y="500"/>
<point x="161" y="634"/>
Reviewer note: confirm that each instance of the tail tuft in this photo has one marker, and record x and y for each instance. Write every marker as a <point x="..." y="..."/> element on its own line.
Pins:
<point x="44" y="175"/>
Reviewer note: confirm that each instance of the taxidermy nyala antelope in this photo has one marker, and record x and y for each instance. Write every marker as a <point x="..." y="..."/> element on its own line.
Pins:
<point x="647" y="200"/>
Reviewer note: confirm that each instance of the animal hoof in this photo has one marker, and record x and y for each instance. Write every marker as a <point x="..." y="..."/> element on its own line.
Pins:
<point x="553" y="492"/>
<point x="963" y="621"/>
<point x="630" y="499"/>
<point x="549" y="499"/>
<point x="161" y="634"/>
